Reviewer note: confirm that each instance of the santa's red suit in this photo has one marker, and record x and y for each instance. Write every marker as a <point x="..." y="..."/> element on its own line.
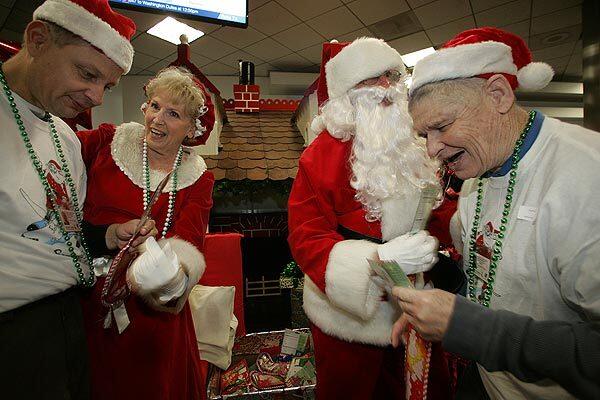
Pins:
<point x="156" y="356"/>
<point x="331" y="240"/>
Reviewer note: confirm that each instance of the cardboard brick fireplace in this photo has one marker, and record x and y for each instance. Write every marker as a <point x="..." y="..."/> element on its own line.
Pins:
<point x="246" y="98"/>
<point x="264" y="254"/>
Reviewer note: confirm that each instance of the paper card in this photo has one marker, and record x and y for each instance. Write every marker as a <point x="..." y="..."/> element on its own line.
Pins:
<point x="121" y="318"/>
<point x="291" y="340"/>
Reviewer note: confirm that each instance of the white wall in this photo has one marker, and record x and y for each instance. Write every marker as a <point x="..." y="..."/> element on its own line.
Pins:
<point x="123" y="103"/>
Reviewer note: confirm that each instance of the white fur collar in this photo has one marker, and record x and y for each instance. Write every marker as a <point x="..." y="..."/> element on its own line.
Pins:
<point x="126" y="151"/>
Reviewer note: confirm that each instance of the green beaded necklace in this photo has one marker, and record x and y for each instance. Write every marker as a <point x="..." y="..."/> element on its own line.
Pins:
<point x="37" y="165"/>
<point x="497" y="247"/>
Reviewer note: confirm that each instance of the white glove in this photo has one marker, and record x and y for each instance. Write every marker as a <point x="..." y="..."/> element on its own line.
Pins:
<point x="157" y="270"/>
<point x="414" y="252"/>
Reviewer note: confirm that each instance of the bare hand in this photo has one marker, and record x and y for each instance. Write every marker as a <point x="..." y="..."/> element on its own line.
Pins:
<point x="429" y="311"/>
<point x="118" y="235"/>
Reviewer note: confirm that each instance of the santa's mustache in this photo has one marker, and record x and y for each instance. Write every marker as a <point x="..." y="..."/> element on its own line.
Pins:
<point x="374" y="95"/>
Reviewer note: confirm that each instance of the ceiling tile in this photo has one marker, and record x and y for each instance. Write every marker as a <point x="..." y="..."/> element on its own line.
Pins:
<point x="7" y="3"/>
<point x="210" y="47"/>
<point x="153" y="46"/>
<point x="442" y="11"/>
<point x="3" y="14"/>
<point x="142" y="61"/>
<point x="410" y="43"/>
<point x="253" y="4"/>
<point x="307" y="9"/>
<point x="578" y="47"/>
<point x="299" y="37"/>
<point x="145" y="72"/>
<point x="205" y="27"/>
<point x="519" y="28"/>
<point x="17" y="20"/>
<point x="160" y="65"/>
<point x="11" y="36"/>
<point x="553" y="52"/>
<point x="313" y="53"/>
<point x="554" y="38"/>
<point x="541" y="7"/>
<point x="418" y="3"/>
<point x="232" y="59"/>
<point x="199" y="60"/>
<point x="268" y="50"/>
<point x="559" y="64"/>
<point x="396" y="26"/>
<point x="264" y="69"/>
<point x="292" y="62"/>
<point x="442" y="34"/>
<point x="362" y="32"/>
<point x="574" y="68"/>
<point x="28" y="6"/>
<point x="335" y="22"/>
<point x="506" y="14"/>
<point x="238" y="37"/>
<point x="371" y="11"/>
<point x="556" y="20"/>
<point x="216" y="68"/>
<point x="482" y="5"/>
<point x="272" y="18"/>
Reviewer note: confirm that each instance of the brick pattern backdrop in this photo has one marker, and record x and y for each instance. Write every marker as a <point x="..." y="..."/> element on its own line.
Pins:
<point x="246" y="98"/>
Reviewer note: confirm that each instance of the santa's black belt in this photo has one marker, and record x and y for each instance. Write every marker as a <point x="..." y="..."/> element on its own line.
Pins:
<point x="446" y="274"/>
<point x="349" y="234"/>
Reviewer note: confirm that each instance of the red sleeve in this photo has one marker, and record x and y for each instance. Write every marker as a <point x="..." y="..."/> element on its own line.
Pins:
<point x="94" y="140"/>
<point x="191" y="222"/>
<point x="312" y="226"/>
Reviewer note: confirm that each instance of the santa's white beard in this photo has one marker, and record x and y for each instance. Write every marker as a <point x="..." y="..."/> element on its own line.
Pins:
<point x="387" y="159"/>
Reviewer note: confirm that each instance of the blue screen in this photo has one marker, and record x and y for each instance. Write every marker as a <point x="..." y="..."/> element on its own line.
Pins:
<point x="231" y="12"/>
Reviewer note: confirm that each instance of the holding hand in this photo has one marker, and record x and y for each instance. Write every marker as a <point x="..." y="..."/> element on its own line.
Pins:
<point x="117" y="235"/>
<point x="429" y="311"/>
<point x="413" y="252"/>
<point x="157" y="271"/>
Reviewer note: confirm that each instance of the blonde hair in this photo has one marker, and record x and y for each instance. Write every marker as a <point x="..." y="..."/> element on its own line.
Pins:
<point x="180" y="87"/>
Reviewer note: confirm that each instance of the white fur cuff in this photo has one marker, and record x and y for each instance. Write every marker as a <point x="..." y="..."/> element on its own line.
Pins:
<point x="347" y="278"/>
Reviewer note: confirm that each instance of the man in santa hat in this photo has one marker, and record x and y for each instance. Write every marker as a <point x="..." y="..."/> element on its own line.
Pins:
<point x="355" y="198"/>
<point x="73" y="52"/>
<point x="533" y="293"/>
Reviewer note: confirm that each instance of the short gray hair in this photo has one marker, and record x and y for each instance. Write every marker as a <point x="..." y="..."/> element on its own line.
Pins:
<point x="61" y="36"/>
<point x="463" y="89"/>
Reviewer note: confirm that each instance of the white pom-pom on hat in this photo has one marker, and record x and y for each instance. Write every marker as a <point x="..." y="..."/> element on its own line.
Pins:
<point x="535" y="76"/>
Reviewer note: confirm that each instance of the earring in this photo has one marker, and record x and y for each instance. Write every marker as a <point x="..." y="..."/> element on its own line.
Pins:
<point x="143" y="107"/>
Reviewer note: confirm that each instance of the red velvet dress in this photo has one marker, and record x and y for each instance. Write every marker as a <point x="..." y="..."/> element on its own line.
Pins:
<point x="156" y="357"/>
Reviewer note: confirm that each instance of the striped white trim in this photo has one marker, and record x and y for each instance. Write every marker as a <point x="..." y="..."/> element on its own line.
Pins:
<point x="464" y="61"/>
<point x="94" y="30"/>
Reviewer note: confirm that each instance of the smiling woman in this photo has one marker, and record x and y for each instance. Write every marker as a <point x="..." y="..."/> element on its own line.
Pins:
<point x="127" y="163"/>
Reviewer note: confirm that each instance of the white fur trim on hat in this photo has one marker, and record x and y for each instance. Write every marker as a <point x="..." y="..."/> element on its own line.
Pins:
<point x="94" y="30"/>
<point x="362" y="59"/>
<point x="535" y="76"/>
<point x="463" y="61"/>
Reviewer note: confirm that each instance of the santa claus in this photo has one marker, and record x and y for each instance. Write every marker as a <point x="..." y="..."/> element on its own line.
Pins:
<point x="355" y="198"/>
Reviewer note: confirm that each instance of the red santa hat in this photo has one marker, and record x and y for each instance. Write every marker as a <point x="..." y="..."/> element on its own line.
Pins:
<point x="207" y="119"/>
<point x="95" y="22"/>
<point x="483" y="52"/>
<point x="362" y="59"/>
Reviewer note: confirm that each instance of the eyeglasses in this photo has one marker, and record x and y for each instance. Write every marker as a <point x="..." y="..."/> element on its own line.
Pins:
<point x="392" y="76"/>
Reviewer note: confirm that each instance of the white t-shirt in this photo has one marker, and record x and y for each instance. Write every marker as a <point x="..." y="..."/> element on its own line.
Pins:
<point x="550" y="267"/>
<point x="34" y="258"/>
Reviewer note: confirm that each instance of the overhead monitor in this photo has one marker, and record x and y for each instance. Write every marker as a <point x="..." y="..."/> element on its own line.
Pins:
<point x="223" y="12"/>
